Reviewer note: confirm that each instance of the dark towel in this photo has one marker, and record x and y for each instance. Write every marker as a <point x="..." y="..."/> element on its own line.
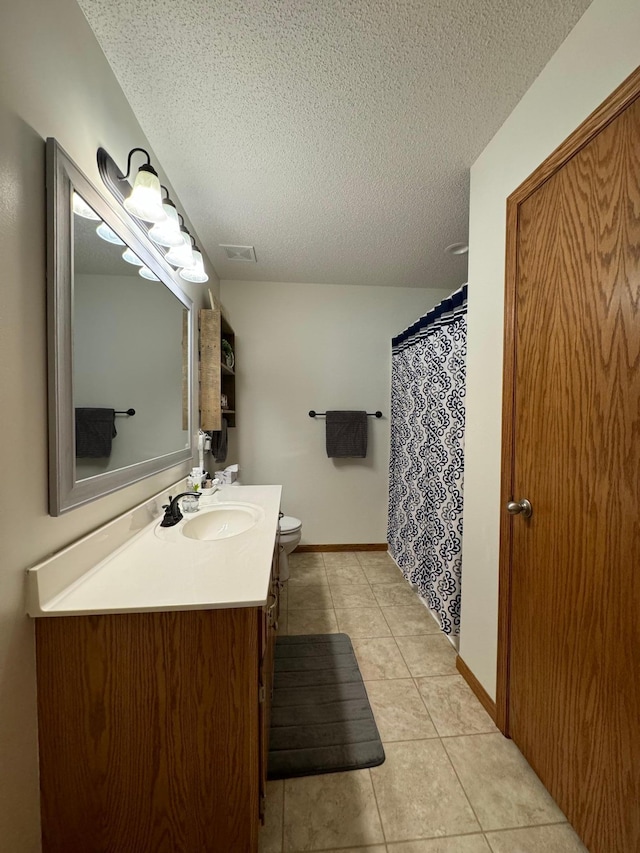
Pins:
<point x="95" y="428"/>
<point x="346" y="434"/>
<point x="219" y="442"/>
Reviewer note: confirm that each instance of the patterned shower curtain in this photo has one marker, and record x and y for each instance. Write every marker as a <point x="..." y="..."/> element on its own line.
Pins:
<point x="427" y="455"/>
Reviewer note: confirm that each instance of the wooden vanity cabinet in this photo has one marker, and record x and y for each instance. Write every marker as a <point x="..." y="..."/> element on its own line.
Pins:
<point x="269" y="622"/>
<point x="154" y="729"/>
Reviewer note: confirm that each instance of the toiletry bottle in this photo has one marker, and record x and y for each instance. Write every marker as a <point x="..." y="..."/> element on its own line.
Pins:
<point x="196" y="479"/>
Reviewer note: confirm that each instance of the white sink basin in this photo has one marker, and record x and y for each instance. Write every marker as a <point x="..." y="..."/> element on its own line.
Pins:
<point x="222" y="521"/>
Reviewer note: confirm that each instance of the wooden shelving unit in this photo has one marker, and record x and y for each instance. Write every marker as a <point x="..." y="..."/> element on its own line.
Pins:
<point x="228" y="374"/>
<point x="215" y="377"/>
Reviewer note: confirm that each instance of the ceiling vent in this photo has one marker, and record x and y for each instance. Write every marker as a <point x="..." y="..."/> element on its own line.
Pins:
<point x="240" y="253"/>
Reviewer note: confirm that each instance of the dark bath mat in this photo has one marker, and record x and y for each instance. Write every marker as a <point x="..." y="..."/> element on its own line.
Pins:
<point x="321" y="720"/>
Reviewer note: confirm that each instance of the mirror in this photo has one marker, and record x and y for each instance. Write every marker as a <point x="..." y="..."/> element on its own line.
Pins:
<point x="119" y="345"/>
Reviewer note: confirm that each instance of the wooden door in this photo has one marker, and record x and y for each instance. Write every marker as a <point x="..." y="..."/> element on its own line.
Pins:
<point x="570" y="683"/>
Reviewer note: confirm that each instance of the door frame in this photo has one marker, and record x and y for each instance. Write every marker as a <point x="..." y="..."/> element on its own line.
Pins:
<point x="609" y="110"/>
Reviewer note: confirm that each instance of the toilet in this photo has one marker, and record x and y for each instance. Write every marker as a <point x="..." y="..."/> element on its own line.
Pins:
<point x="290" y="533"/>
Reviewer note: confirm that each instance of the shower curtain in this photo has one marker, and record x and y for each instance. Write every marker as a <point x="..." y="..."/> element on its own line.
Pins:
<point x="427" y="455"/>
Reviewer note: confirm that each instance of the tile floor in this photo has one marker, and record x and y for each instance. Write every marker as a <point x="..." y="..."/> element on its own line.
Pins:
<point x="450" y="783"/>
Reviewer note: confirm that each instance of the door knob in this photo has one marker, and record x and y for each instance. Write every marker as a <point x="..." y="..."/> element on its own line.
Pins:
<point x="522" y="507"/>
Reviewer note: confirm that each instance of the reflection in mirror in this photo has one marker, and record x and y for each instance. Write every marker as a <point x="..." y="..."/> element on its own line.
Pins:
<point x="128" y="353"/>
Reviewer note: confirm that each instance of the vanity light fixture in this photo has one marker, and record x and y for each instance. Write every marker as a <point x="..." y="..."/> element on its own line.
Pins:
<point x="145" y="201"/>
<point x="167" y="233"/>
<point x="81" y="208"/>
<point x="145" y="272"/>
<point x="131" y="258"/>
<point x="168" y="230"/>
<point x="182" y="255"/>
<point x="105" y="233"/>
<point x="195" y="273"/>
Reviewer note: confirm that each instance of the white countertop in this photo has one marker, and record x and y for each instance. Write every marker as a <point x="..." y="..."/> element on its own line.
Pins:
<point x="164" y="570"/>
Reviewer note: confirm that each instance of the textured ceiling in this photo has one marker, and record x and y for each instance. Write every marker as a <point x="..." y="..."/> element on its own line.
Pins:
<point x="335" y="136"/>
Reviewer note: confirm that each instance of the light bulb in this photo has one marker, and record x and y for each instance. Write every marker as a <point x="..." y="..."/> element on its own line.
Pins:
<point x="457" y="249"/>
<point x="145" y="272"/>
<point x="195" y="273"/>
<point x="167" y="233"/>
<point x="105" y="233"/>
<point x="81" y="208"/>
<point x="145" y="201"/>
<point x="181" y="256"/>
<point x="131" y="258"/>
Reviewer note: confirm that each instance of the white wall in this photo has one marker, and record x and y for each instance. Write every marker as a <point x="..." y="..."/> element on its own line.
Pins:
<point x="54" y="81"/>
<point x="599" y="53"/>
<point x="314" y="346"/>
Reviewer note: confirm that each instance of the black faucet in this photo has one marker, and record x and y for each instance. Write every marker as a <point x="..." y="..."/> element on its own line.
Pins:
<point x="172" y="513"/>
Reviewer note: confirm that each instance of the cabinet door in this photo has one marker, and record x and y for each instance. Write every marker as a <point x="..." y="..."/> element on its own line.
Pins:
<point x="148" y="729"/>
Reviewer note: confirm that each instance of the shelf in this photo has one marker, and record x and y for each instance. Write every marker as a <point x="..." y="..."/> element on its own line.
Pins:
<point x="216" y="378"/>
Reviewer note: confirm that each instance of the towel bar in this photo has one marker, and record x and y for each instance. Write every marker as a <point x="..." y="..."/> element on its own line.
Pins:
<point x="313" y="414"/>
<point x="130" y="412"/>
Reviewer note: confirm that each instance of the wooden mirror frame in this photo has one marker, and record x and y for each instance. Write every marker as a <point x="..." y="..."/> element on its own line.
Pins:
<point x="65" y="492"/>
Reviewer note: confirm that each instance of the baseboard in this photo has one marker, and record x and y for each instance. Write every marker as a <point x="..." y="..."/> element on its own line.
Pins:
<point x="376" y="546"/>
<point x="481" y="694"/>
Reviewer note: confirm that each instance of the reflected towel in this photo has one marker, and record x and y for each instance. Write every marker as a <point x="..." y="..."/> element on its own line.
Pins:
<point x="346" y="434"/>
<point x="219" y="442"/>
<point x="95" y="428"/>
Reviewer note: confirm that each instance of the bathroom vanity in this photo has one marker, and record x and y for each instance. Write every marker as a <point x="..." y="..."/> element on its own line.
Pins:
<point x="154" y="681"/>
